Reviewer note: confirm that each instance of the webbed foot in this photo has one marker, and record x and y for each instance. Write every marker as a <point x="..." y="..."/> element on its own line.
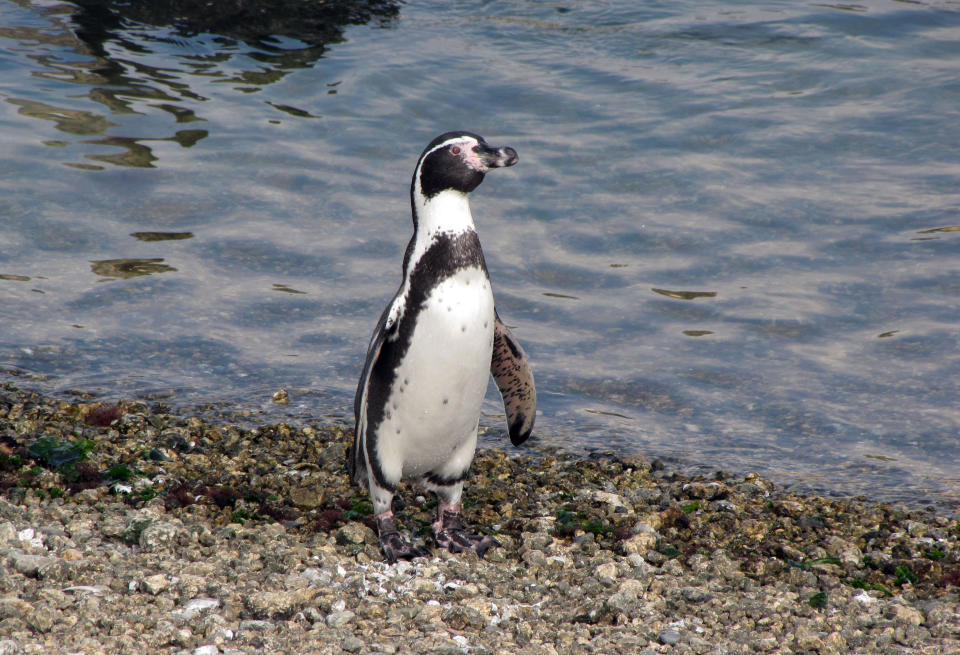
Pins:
<point x="395" y="546"/>
<point x="450" y="533"/>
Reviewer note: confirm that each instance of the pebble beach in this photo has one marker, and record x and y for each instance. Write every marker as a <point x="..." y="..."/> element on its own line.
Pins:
<point x="130" y="528"/>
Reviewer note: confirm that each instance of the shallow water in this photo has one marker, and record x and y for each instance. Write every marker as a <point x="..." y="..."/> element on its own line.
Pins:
<point x="730" y="240"/>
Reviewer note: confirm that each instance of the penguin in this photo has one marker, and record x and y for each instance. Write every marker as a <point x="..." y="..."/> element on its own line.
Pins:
<point x="417" y="405"/>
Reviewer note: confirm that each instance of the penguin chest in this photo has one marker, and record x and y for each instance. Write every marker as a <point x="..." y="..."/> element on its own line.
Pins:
<point x="435" y="401"/>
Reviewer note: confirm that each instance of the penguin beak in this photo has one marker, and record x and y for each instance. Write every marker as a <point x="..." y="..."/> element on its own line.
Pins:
<point x="496" y="157"/>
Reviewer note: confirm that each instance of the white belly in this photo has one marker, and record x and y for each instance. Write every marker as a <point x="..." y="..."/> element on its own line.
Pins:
<point x="431" y="418"/>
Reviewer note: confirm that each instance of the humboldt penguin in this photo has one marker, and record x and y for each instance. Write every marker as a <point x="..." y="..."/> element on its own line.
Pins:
<point x="417" y="405"/>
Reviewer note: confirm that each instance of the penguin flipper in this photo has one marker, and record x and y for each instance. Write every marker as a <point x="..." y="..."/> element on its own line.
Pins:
<point x="356" y="454"/>
<point x="514" y="377"/>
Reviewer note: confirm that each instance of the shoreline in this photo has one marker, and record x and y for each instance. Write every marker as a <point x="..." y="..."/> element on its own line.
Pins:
<point x="126" y="530"/>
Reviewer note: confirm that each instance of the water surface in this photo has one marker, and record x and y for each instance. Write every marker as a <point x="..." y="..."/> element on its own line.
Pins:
<point x="730" y="242"/>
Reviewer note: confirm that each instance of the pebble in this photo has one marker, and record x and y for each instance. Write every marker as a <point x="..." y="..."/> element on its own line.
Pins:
<point x="197" y="606"/>
<point x="156" y="584"/>
<point x="606" y="572"/>
<point x="33" y="566"/>
<point x="352" y="533"/>
<point x="338" y="619"/>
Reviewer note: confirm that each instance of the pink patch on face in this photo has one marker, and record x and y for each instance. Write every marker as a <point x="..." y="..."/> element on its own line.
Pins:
<point x="471" y="158"/>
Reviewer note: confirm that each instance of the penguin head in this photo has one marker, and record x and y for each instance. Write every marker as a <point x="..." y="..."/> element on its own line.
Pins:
<point x="458" y="161"/>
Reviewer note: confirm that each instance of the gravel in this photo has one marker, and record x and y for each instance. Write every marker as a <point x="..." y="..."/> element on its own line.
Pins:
<point x="136" y="530"/>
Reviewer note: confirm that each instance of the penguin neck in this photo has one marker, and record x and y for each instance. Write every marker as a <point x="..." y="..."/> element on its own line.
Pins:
<point x="446" y="213"/>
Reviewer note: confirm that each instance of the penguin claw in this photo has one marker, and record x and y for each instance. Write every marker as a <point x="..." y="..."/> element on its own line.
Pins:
<point x="394" y="545"/>
<point x="450" y="533"/>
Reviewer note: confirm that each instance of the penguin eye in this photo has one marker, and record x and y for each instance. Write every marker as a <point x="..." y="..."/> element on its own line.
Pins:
<point x="455" y="150"/>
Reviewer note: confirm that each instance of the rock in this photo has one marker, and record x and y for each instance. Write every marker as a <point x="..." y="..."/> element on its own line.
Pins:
<point x="669" y="637"/>
<point x="910" y="615"/>
<point x="537" y="541"/>
<point x="339" y="619"/>
<point x="72" y="555"/>
<point x="13" y="607"/>
<point x="624" y="602"/>
<point x="481" y="606"/>
<point x="606" y="572"/>
<point x="279" y="604"/>
<point x="196" y="606"/>
<point x="29" y="538"/>
<point x="463" y="618"/>
<point x="41" y="620"/>
<point x="693" y="594"/>
<point x="80" y="529"/>
<point x="706" y="490"/>
<point x="158" y="536"/>
<point x="308" y="497"/>
<point x="592" y="611"/>
<point x="352" y="533"/>
<point x="723" y="565"/>
<point x="131" y="530"/>
<point x="421" y="585"/>
<point x="430" y="612"/>
<point x="156" y="584"/>
<point x="611" y="499"/>
<point x="34" y="566"/>
<point x="468" y="590"/>
<point x="808" y="640"/>
<point x="835" y="642"/>
<point x="639" y="565"/>
<point x="535" y="558"/>
<point x="639" y="544"/>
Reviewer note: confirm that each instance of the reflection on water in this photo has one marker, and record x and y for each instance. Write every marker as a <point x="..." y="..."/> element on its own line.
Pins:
<point x="161" y="236"/>
<point x="730" y="241"/>
<point x="132" y="57"/>
<point x="81" y="123"/>
<point x="261" y="23"/>
<point x="127" y="268"/>
<point x="685" y="295"/>
<point x="951" y="228"/>
<point x="285" y="289"/>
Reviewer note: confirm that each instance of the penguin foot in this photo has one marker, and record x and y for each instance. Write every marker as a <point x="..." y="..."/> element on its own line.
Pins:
<point x="394" y="545"/>
<point x="450" y="533"/>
